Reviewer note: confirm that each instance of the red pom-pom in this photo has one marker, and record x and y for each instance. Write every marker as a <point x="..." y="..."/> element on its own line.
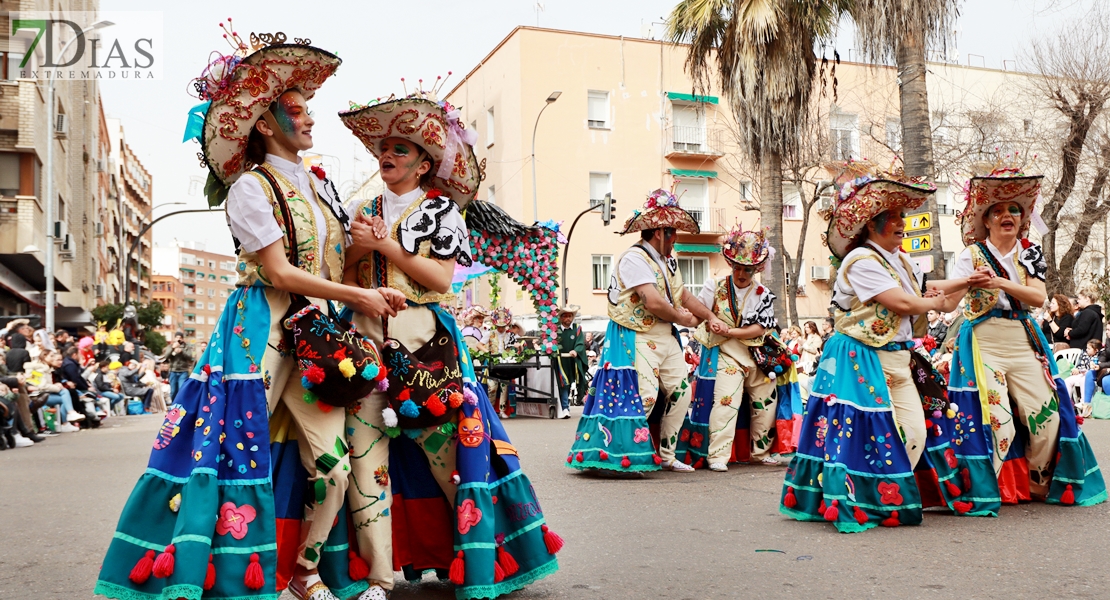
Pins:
<point x="580" y="457"/>
<point x="455" y="399"/>
<point x="457" y="574"/>
<point x="210" y="575"/>
<point x="433" y="193"/>
<point x="832" y="513"/>
<point x="207" y="369"/>
<point x="861" y="517"/>
<point x="961" y="507"/>
<point x="892" y="520"/>
<point x="356" y="566"/>
<point x="405" y="394"/>
<point x="658" y="459"/>
<point x="570" y="459"/>
<point x="552" y="540"/>
<point x="1068" y="497"/>
<point x="965" y="476"/>
<point x="790" y="501"/>
<point x="435" y="406"/>
<point x="822" y="508"/>
<point x="254" y="578"/>
<point x="314" y="374"/>
<point x="142" y="569"/>
<point x="625" y="463"/>
<point x="950" y="458"/>
<point x="498" y="573"/>
<point x="507" y="561"/>
<point x="953" y="489"/>
<point x="324" y="407"/>
<point x="603" y="455"/>
<point x="163" y="565"/>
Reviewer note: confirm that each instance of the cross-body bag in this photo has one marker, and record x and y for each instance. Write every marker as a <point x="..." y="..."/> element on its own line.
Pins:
<point x="425" y="386"/>
<point x="338" y="365"/>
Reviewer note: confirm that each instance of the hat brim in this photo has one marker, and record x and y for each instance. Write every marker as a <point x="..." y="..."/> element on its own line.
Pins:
<point x="662" y="217"/>
<point x="571" y="309"/>
<point x="876" y="197"/>
<point x="984" y="192"/>
<point x="423" y="123"/>
<point x="258" y="81"/>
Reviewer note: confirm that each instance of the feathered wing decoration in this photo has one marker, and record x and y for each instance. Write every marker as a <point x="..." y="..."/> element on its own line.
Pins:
<point x="529" y="255"/>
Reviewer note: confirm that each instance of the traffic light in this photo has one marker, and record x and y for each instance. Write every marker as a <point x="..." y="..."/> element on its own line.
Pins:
<point x="607" y="208"/>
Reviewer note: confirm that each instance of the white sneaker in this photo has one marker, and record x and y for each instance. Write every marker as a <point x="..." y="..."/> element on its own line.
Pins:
<point x="374" y="592"/>
<point x="718" y="467"/>
<point x="677" y="466"/>
<point x="564" y="413"/>
<point x="74" y="416"/>
<point x="20" y="441"/>
<point x="67" y="428"/>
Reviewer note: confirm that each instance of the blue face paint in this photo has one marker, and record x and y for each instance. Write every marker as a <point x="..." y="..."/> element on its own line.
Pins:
<point x="288" y="114"/>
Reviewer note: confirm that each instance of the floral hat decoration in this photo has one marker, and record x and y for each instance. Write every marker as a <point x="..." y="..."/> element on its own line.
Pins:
<point x="865" y="194"/>
<point x="434" y="125"/>
<point x="660" y="211"/>
<point x="1005" y="181"/>
<point x="237" y="88"/>
<point x="502" y="317"/>
<point x="748" y="248"/>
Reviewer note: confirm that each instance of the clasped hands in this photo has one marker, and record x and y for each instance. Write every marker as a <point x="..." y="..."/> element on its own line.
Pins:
<point x="369" y="233"/>
<point x="984" y="278"/>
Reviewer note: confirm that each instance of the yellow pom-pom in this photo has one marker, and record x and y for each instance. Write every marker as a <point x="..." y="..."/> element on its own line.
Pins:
<point x="951" y="414"/>
<point x="347" y="368"/>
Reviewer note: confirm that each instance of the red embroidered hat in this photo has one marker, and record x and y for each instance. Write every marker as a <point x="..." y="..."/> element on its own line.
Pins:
<point x="746" y="248"/>
<point x="430" y="124"/>
<point x="661" y="211"/>
<point x="868" y="194"/>
<point x="239" y="87"/>
<point x="999" y="184"/>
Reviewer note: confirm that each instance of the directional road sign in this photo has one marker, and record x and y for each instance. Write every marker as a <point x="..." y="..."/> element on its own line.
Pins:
<point x="919" y="222"/>
<point x="917" y="243"/>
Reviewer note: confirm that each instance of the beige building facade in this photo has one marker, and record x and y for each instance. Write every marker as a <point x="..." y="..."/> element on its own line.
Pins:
<point x="206" y="281"/>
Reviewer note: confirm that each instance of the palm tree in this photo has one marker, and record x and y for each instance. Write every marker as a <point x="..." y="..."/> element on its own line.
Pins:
<point x="760" y="55"/>
<point x="901" y="30"/>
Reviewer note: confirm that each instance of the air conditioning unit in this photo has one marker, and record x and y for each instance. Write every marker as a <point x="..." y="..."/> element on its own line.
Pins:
<point x="60" y="230"/>
<point x="67" y="243"/>
<point x="824" y="203"/>
<point x="61" y="125"/>
<point x="100" y="230"/>
<point x="101" y="290"/>
<point x="819" y="272"/>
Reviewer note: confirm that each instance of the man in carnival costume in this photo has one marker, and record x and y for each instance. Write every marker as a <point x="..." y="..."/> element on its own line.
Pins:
<point x="864" y="427"/>
<point x="743" y="315"/>
<point x="211" y="514"/>
<point x="442" y="474"/>
<point x="642" y="359"/>
<point x="572" y="360"/>
<point x="1013" y="415"/>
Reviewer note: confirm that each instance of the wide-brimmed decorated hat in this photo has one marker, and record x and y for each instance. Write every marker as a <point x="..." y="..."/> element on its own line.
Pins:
<point x="571" y="309"/>
<point x="237" y="88"/>
<point x="661" y="211"/>
<point x="994" y="185"/>
<point x="433" y="125"/>
<point x="867" y="194"/>
<point x="502" y="317"/>
<point x="749" y="248"/>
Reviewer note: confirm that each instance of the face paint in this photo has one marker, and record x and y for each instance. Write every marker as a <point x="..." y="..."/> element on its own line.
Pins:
<point x="288" y="115"/>
<point x="401" y="150"/>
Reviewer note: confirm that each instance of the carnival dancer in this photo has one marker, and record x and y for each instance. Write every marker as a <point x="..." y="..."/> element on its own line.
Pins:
<point x="202" y="520"/>
<point x="642" y="359"/>
<point x="864" y="427"/>
<point x="501" y="340"/>
<point x="572" y="360"/>
<point x="410" y="238"/>
<point x="1013" y="415"/>
<point x="743" y="314"/>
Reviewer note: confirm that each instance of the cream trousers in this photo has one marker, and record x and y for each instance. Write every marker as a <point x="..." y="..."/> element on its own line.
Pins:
<point x="660" y="367"/>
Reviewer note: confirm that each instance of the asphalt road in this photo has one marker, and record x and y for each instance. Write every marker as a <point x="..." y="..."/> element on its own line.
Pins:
<point x="700" y="536"/>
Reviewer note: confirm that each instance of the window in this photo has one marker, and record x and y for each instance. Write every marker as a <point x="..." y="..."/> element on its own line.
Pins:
<point x="693" y="195"/>
<point x="200" y="335"/>
<point x="844" y="135"/>
<point x="186" y="259"/>
<point x="745" y="190"/>
<point x="10" y="65"/>
<point x="211" y="320"/>
<point x="190" y="318"/>
<point x="894" y="134"/>
<point x="211" y="292"/>
<point x="9" y="174"/>
<point x="223" y="293"/>
<point x="211" y="277"/>
<point x="598" y="110"/>
<point x="600" y="184"/>
<point x="200" y="291"/>
<point x="949" y="262"/>
<point x="211" y="306"/>
<point x="489" y="127"/>
<point x="791" y="202"/>
<point x="211" y="264"/>
<point x="603" y="267"/>
<point x="689" y="128"/>
<point x="694" y="273"/>
<point x="942" y="199"/>
<point x="491" y="194"/>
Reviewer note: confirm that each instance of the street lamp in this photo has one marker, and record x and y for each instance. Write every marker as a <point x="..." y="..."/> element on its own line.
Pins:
<point x="127" y="260"/>
<point x="550" y="100"/>
<point x="49" y="270"/>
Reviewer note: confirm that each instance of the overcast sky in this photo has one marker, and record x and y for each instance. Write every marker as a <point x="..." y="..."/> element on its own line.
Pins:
<point x="382" y="42"/>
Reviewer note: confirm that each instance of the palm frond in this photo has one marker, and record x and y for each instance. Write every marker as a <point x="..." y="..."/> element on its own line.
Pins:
<point x="882" y="25"/>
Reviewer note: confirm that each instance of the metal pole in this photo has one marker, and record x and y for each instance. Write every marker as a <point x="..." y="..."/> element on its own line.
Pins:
<point x="138" y="238"/>
<point x="566" y="251"/>
<point x="535" y="203"/>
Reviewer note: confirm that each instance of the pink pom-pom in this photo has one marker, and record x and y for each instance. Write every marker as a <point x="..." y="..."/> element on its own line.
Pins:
<point x="383" y="385"/>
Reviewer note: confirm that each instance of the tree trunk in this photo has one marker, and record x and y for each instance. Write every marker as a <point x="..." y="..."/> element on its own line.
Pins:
<point x="917" y="135"/>
<point x="791" y="291"/>
<point x="770" y="214"/>
<point x="1093" y="212"/>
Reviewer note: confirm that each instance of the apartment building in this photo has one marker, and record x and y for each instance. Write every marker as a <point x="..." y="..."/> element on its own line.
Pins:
<point x="168" y="290"/>
<point x="206" y="281"/>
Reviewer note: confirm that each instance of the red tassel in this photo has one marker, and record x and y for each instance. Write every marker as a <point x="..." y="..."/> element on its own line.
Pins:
<point x="570" y="459"/>
<point x="163" y="565"/>
<point x="210" y="575"/>
<point x="892" y="520"/>
<point x="861" y="517"/>
<point x="953" y="489"/>
<point x="625" y="463"/>
<point x="699" y="464"/>
<point x="580" y="457"/>
<point x="457" y="574"/>
<point x="141" y="572"/>
<point x="832" y="513"/>
<point x="822" y="508"/>
<point x="506" y="560"/>
<point x="356" y="566"/>
<point x="961" y="507"/>
<point x="790" y="501"/>
<point x="498" y="573"/>
<point x="552" y="540"/>
<point x="254" y="578"/>
<point x="603" y="455"/>
<point x="658" y="459"/>
<point x="965" y="476"/>
<point x="1068" y="497"/>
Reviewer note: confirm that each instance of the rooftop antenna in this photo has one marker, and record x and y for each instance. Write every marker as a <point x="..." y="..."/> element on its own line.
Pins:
<point x="539" y="7"/>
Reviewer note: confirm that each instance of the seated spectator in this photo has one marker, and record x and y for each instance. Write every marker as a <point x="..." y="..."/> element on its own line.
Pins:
<point x="106" y="383"/>
<point x="78" y="386"/>
<point x="17" y="354"/>
<point x="129" y="376"/>
<point x="149" y="377"/>
<point x="47" y="383"/>
<point x="1097" y="376"/>
<point x="23" y="421"/>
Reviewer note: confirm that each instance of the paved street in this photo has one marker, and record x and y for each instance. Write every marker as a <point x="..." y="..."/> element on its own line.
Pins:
<point x="700" y="536"/>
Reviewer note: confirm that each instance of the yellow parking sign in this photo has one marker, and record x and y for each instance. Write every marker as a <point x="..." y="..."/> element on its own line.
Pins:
<point x="917" y="243"/>
<point x="919" y="222"/>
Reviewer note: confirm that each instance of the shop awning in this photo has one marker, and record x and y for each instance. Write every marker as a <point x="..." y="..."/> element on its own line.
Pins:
<point x="27" y="267"/>
<point x="72" y="317"/>
<point x="697" y="248"/>
<point x="692" y="98"/>
<point x="693" y="173"/>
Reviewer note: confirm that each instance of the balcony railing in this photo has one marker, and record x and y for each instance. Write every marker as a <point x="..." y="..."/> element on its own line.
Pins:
<point x="711" y="220"/>
<point x="694" y="141"/>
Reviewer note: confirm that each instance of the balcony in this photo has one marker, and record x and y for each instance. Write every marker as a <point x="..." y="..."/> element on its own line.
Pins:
<point x="694" y="142"/>
<point x="711" y="220"/>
